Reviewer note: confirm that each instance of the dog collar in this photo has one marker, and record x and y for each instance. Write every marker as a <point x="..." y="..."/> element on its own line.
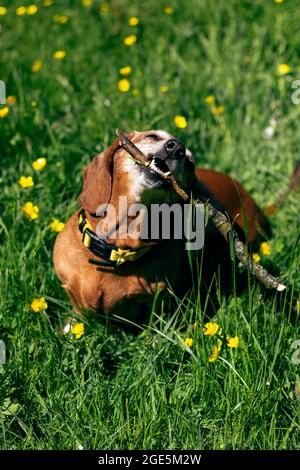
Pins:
<point x="111" y="255"/>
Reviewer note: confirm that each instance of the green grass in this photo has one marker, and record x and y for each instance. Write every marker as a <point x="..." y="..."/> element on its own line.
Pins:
<point x="111" y="389"/>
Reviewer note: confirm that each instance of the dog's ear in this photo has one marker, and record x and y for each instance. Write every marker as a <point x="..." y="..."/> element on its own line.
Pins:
<point x="97" y="180"/>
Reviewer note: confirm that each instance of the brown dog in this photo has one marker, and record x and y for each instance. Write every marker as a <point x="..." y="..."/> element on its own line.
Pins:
<point x="127" y="290"/>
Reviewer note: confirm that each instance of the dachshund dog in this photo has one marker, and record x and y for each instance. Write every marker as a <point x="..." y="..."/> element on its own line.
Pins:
<point x="119" y="277"/>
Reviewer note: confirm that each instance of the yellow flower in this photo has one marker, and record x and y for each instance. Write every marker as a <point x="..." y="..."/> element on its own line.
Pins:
<point x="26" y="182"/>
<point x="20" y="11"/>
<point x="215" y="352"/>
<point x="168" y="10"/>
<point x="123" y="85"/>
<point x="210" y="100"/>
<point x="77" y="329"/>
<point x="4" y="111"/>
<point x="135" y="92"/>
<point x="36" y="66"/>
<point x="130" y="40"/>
<point x="48" y="3"/>
<point x="133" y="21"/>
<point x="104" y="8"/>
<point x="87" y="3"/>
<point x="33" y="103"/>
<point x="57" y="226"/>
<point x="278" y="1"/>
<point x="210" y="328"/>
<point x="217" y="110"/>
<point x="232" y="342"/>
<point x="125" y="70"/>
<point x="256" y="257"/>
<point x="39" y="164"/>
<point x="39" y="305"/>
<point x="59" y="55"/>
<point x="30" y="211"/>
<point x="3" y="11"/>
<point x="11" y="100"/>
<point x="32" y="10"/>
<point x="180" y="121"/>
<point x="265" y="248"/>
<point x="164" y="88"/>
<point x="188" y="342"/>
<point x="60" y="19"/>
<point x="283" y="69"/>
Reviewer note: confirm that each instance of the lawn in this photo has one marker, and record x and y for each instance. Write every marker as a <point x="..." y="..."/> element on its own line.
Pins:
<point x="111" y="389"/>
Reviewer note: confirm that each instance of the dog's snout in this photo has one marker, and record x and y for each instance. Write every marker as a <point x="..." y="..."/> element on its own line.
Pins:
<point x="175" y="149"/>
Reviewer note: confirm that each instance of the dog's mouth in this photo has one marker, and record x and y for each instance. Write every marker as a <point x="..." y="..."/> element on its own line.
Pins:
<point x="160" y="167"/>
<point x="157" y="172"/>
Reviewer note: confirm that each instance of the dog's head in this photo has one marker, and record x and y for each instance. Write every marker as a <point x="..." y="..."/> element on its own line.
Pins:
<point x="114" y="172"/>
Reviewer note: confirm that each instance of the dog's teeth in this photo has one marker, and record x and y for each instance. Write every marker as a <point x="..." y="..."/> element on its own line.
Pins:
<point x="157" y="169"/>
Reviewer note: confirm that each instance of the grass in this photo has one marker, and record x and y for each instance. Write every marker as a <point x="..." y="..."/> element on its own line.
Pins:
<point x="111" y="389"/>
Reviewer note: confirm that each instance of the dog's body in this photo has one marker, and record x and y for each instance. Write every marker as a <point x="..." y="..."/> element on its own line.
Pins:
<point x="128" y="292"/>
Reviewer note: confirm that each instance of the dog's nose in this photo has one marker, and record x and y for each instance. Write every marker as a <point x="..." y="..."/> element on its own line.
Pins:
<point x="175" y="149"/>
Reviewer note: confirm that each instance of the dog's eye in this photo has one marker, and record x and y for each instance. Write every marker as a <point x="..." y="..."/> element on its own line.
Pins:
<point x="154" y="137"/>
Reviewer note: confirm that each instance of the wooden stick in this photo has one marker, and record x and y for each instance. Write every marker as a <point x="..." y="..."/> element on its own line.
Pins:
<point x="220" y="220"/>
<point x="131" y="148"/>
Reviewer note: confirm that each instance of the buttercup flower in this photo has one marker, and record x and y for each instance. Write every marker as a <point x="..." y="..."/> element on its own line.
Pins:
<point x="30" y="211"/>
<point x="283" y="69"/>
<point x="11" y="100"/>
<point x="39" y="164"/>
<point x="188" y="342"/>
<point x="210" y="328"/>
<point x="133" y="21"/>
<point x="63" y="19"/>
<point x="26" y="182"/>
<point x="164" y="88"/>
<point x="256" y="257"/>
<point x="77" y="329"/>
<point x="125" y="70"/>
<point x="180" y="121"/>
<point x="3" y="11"/>
<point x="123" y="85"/>
<point x="59" y="55"/>
<point x="4" y="111"/>
<point x="265" y="248"/>
<point x="36" y="66"/>
<point x="168" y="10"/>
<point x="104" y="8"/>
<point x="130" y="40"/>
<point x="210" y="100"/>
<point x="57" y="226"/>
<point x="278" y="1"/>
<point x="20" y="11"/>
<point x="39" y="305"/>
<point x="87" y="3"/>
<point x="215" y="352"/>
<point x="33" y="103"/>
<point x="232" y="342"/>
<point x="32" y="10"/>
<point x="217" y="110"/>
